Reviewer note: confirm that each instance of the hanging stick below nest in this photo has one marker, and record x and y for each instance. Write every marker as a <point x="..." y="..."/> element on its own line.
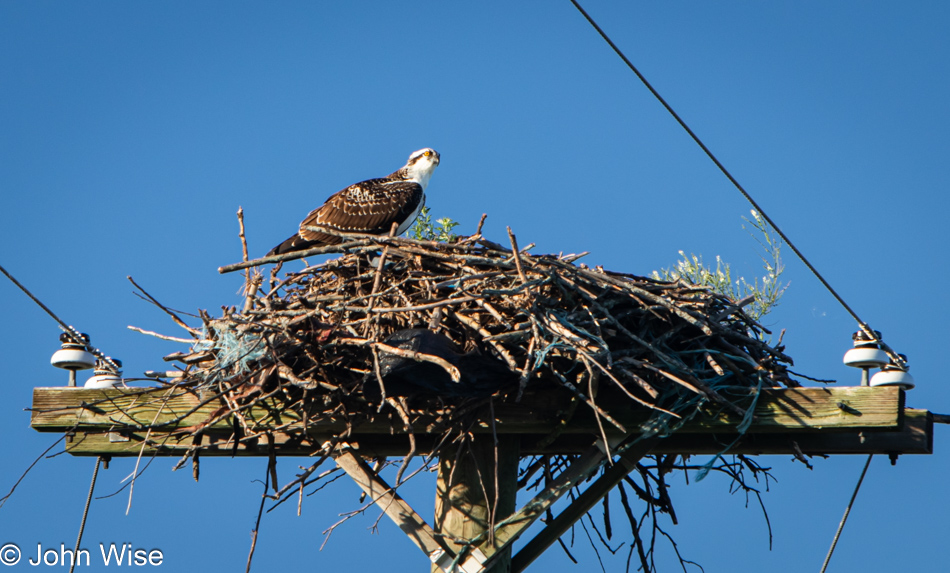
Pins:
<point x="399" y="404"/>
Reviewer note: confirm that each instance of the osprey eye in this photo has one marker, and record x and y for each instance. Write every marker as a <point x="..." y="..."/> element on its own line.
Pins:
<point x="427" y="153"/>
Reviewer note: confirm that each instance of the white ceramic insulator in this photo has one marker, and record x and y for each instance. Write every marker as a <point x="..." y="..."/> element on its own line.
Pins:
<point x="73" y="359"/>
<point x="103" y="381"/>
<point x="866" y="357"/>
<point x="893" y="378"/>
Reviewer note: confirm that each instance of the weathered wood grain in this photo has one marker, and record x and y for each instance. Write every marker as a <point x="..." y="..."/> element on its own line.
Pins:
<point x="916" y="437"/>
<point x="777" y="410"/>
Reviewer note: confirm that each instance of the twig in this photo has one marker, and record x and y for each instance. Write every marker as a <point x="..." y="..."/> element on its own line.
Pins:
<point x="260" y="512"/>
<point x="4" y="499"/>
<point x="377" y="280"/>
<point x="174" y="316"/>
<point x="516" y="254"/>
<point x="486" y="335"/>
<point x="292" y="256"/>
<point x="162" y="336"/>
<point x="403" y="410"/>
<point x="429" y="306"/>
<point x="240" y="216"/>
<point x="138" y="458"/>
<point x="588" y="360"/>
<point x="379" y="377"/>
<point x="252" y="279"/>
<point x="454" y="373"/>
<point x="526" y="369"/>
<point x="478" y="229"/>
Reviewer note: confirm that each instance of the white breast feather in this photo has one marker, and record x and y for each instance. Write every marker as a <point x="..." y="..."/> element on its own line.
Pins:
<point x="412" y="217"/>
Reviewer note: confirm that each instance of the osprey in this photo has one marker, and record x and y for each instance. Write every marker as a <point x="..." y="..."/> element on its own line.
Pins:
<point x="370" y="206"/>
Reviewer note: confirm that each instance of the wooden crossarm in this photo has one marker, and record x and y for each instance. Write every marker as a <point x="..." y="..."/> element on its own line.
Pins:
<point x="779" y="411"/>
<point x="916" y="437"/>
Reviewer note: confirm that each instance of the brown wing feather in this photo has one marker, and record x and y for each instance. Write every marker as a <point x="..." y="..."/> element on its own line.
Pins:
<point x="368" y="207"/>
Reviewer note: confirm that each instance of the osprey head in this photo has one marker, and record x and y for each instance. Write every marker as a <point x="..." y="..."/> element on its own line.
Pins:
<point x="420" y="166"/>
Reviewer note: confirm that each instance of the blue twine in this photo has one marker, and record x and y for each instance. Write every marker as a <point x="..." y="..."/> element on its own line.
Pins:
<point x="741" y="428"/>
<point x="234" y="350"/>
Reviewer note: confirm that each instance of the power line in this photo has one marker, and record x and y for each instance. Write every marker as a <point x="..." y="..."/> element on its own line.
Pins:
<point x="72" y="332"/>
<point x="847" y="511"/>
<point x="85" y="513"/>
<point x="863" y="325"/>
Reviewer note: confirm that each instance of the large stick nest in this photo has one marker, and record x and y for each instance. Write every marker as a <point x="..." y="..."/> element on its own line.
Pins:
<point x="516" y="322"/>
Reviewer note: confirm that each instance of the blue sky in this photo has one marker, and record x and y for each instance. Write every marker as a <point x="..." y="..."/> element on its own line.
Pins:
<point x="130" y="133"/>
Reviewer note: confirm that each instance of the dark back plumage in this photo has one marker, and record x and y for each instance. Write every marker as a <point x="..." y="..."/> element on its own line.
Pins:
<point x="370" y="206"/>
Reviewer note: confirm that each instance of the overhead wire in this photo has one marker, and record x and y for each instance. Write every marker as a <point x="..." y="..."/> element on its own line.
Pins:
<point x="844" y="518"/>
<point x="69" y="330"/>
<point x="863" y="325"/>
<point x="85" y="513"/>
